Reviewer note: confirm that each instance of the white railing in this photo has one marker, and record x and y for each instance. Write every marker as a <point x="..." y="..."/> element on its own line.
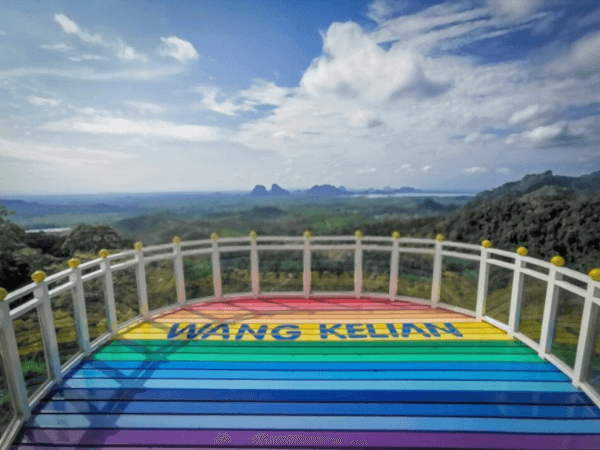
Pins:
<point x="73" y="280"/>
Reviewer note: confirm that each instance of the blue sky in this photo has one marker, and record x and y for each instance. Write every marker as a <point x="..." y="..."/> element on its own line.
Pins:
<point x="136" y="96"/>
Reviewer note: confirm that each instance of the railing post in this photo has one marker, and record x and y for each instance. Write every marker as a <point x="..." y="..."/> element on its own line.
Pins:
<point x="307" y="263"/>
<point x="12" y="362"/>
<point x="140" y="278"/>
<point x="589" y="324"/>
<point x="358" y="269"/>
<point x="550" y="305"/>
<point x="47" y="326"/>
<point x="179" y="275"/>
<point x="516" y="298"/>
<point x="254" y="265"/>
<point x="216" y="266"/>
<point x="109" y="294"/>
<point x="79" y="309"/>
<point x="437" y="271"/>
<point x="483" y="280"/>
<point x="394" y="266"/>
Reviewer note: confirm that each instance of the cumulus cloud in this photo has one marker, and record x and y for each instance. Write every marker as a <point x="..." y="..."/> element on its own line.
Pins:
<point x="88" y="58"/>
<point x="144" y="107"/>
<point x="503" y="170"/>
<point x="177" y="48"/>
<point x="583" y="58"/>
<point x="121" y="50"/>
<point x="86" y="74"/>
<point x="371" y="170"/>
<point x="39" y="101"/>
<point x="475" y="170"/>
<point x="147" y="128"/>
<point x="426" y="168"/>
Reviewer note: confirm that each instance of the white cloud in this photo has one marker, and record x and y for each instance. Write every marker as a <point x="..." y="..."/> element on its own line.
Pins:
<point x="503" y="171"/>
<point x="87" y="74"/>
<point x="264" y="92"/>
<point x="144" y="107"/>
<point x="475" y="170"/>
<point x="545" y="133"/>
<point x="405" y="166"/>
<point x="147" y="128"/>
<point x="524" y="115"/>
<point x="88" y="58"/>
<point x="582" y="59"/>
<point x="60" y="47"/>
<point x="426" y="168"/>
<point x="39" y="101"/>
<point x="177" y="48"/>
<point x="514" y="8"/>
<point x="122" y="50"/>
<point x="371" y="170"/>
<point x="2" y="33"/>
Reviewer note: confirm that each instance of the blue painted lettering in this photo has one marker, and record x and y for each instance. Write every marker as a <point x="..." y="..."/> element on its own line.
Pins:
<point x="354" y="328"/>
<point x="325" y="332"/>
<point x="408" y="327"/>
<point x="292" y="334"/>
<point x="222" y="327"/>
<point x="392" y="328"/>
<point x="373" y="333"/>
<point x="433" y="329"/>
<point x="174" y="332"/>
<point x="259" y="334"/>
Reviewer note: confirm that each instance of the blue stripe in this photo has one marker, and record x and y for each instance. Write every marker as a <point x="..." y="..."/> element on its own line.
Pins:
<point x="487" y="425"/>
<point x="317" y="366"/>
<point x="324" y="375"/>
<point x="378" y="385"/>
<point x="266" y="395"/>
<point x="317" y="409"/>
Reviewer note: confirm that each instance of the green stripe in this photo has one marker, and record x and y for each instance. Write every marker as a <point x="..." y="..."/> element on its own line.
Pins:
<point x="314" y="350"/>
<point x="348" y="342"/>
<point x="105" y="356"/>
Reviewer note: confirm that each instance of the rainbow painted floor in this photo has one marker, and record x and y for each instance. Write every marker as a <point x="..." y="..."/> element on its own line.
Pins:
<point x="308" y="374"/>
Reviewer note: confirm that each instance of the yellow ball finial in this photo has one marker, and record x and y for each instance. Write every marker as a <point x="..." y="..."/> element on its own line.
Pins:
<point x="3" y="294"/>
<point x="177" y="240"/>
<point x="558" y="261"/>
<point x="440" y="238"/>
<point x="307" y="234"/>
<point x="215" y="236"/>
<point x="138" y="246"/>
<point x="522" y="251"/>
<point x="358" y="234"/>
<point x="595" y="274"/>
<point x="38" y="276"/>
<point x="486" y="244"/>
<point x="74" y="263"/>
<point x="396" y="235"/>
<point x="103" y="253"/>
<point x="253" y="234"/>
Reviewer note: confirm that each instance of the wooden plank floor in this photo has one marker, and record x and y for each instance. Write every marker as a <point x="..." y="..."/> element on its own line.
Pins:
<point x="313" y="373"/>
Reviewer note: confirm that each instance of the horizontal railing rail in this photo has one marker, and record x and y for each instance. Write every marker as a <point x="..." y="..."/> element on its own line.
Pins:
<point x="39" y="295"/>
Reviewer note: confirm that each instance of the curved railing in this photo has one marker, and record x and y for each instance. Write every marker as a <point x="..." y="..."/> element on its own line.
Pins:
<point x="40" y="295"/>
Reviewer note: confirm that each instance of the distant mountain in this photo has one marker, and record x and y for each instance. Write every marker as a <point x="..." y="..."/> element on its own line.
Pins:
<point x="325" y="190"/>
<point x="276" y="190"/>
<point x="24" y="208"/>
<point x="531" y="183"/>
<point x="259" y="191"/>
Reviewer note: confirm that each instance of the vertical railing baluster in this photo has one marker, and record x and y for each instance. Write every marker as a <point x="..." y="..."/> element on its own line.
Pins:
<point x="550" y="305"/>
<point x="358" y="266"/>
<point x="589" y="325"/>
<point x="483" y="280"/>
<point x="140" y="278"/>
<point x="437" y="271"/>
<point x="47" y="326"/>
<point x="109" y="294"/>
<point x="216" y="266"/>
<point x="306" y="264"/>
<point x="394" y="266"/>
<point x="254" y="265"/>
<point x="179" y="274"/>
<point x="12" y="362"/>
<point x="516" y="298"/>
<point x="79" y="309"/>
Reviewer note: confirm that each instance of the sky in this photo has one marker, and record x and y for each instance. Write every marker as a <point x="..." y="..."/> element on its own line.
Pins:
<point x="158" y="96"/>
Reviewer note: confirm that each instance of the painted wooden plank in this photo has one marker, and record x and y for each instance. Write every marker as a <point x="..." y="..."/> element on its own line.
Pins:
<point x="161" y="422"/>
<point x="321" y="366"/>
<point x="327" y="385"/>
<point x="316" y="409"/>
<point x="321" y="375"/>
<point x="283" y="439"/>
<point x="319" y="396"/>
<point x="105" y="356"/>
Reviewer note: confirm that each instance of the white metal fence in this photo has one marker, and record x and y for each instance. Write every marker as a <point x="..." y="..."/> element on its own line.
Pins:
<point x="72" y="280"/>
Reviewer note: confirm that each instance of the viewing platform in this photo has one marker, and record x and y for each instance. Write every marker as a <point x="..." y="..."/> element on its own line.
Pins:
<point x="320" y="350"/>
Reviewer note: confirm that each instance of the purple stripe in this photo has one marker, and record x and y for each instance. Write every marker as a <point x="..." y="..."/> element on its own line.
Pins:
<point x="265" y="439"/>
